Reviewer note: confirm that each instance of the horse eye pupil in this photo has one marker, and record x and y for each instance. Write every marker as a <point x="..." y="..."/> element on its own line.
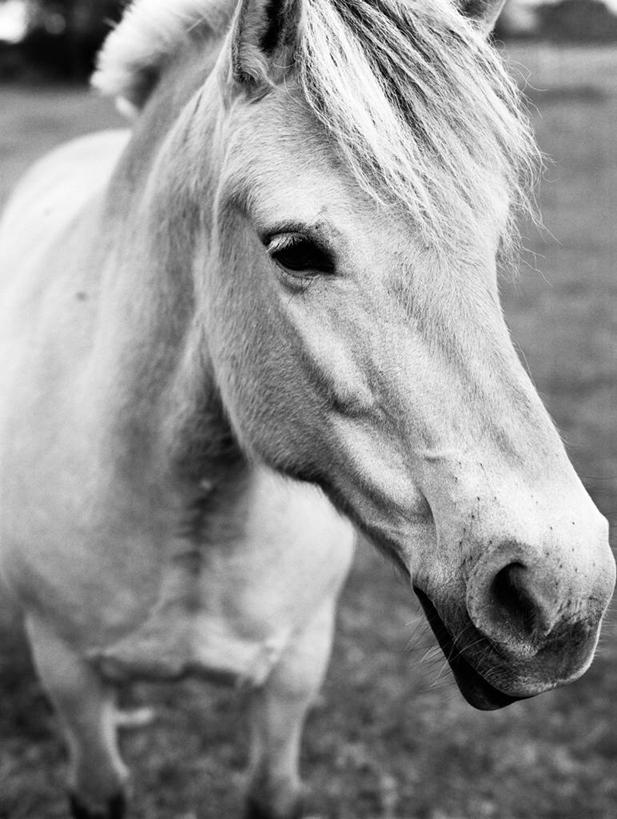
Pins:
<point x="303" y="256"/>
<point x="299" y="256"/>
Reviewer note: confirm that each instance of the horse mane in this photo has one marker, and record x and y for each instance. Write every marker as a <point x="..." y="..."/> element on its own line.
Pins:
<point x="151" y="31"/>
<point x="419" y="104"/>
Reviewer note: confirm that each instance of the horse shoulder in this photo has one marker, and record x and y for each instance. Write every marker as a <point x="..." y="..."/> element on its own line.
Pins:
<point x="41" y="254"/>
<point x="55" y="189"/>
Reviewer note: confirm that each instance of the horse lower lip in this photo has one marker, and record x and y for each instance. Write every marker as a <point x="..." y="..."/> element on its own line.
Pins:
<point x="477" y="691"/>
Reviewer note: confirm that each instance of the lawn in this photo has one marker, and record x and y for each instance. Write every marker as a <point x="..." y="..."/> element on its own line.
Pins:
<point x="391" y="738"/>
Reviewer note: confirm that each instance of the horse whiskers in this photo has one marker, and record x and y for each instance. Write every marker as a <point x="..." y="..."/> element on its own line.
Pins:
<point x="419" y="630"/>
<point x="431" y="654"/>
<point x="440" y="674"/>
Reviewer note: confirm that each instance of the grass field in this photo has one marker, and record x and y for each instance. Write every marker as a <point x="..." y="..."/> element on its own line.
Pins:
<point x="391" y="738"/>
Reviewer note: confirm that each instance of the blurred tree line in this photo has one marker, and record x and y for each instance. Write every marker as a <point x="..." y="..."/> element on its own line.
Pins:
<point x="63" y="36"/>
<point x="66" y="34"/>
<point x="578" y="20"/>
<point x="582" y="21"/>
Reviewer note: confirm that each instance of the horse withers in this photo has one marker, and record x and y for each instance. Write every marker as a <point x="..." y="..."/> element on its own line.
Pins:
<point x="272" y="302"/>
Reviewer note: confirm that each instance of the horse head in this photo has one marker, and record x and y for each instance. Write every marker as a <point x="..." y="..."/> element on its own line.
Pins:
<point x="365" y="161"/>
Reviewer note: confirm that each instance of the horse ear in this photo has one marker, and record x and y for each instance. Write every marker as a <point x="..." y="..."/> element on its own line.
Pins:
<point x="484" y="12"/>
<point x="264" y="37"/>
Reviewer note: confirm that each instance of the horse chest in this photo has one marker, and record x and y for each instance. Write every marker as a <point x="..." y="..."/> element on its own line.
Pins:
<point x="227" y="611"/>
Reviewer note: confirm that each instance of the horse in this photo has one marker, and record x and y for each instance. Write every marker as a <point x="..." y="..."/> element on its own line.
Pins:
<point x="260" y="320"/>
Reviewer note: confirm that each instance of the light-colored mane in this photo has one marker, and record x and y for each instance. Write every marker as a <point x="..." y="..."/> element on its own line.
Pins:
<point x="422" y="109"/>
<point x="150" y="33"/>
<point x="419" y="104"/>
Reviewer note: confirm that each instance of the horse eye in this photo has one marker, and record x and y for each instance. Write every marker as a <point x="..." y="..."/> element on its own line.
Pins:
<point x="299" y="254"/>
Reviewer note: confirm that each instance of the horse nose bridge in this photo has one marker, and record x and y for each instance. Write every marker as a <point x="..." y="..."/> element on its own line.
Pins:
<point x="520" y="597"/>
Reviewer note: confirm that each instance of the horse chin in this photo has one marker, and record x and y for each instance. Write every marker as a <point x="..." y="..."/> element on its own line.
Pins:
<point x="477" y="691"/>
<point x="473" y="686"/>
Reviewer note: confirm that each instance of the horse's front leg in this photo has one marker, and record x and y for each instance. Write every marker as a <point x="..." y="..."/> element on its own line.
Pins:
<point x="277" y="711"/>
<point x="86" y="708"/>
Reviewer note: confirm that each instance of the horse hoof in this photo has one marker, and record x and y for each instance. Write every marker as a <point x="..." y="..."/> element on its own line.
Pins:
<point x="256" y="811"/>
<point x="115" y="809"/>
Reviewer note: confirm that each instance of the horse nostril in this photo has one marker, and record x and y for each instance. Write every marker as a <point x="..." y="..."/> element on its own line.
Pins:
<point x="511" y="601"/>
<point x="517" y="603"/>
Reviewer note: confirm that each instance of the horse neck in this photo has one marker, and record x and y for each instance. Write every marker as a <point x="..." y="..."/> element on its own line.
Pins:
<point x="152" y="343"/>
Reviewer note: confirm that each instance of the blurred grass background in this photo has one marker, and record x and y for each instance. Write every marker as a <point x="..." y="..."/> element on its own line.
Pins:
<point x="391" y="738"/>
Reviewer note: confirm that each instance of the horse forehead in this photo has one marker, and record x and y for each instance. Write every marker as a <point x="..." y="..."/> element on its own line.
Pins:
<point x="283" y="153"/>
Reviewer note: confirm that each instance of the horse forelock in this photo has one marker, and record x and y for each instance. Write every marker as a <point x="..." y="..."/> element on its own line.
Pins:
<point x="421" y="109"/>
<point x="418" y="104"/>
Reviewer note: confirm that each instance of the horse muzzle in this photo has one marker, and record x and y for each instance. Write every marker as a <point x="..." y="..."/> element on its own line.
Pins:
<point x="493" y="673"/>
